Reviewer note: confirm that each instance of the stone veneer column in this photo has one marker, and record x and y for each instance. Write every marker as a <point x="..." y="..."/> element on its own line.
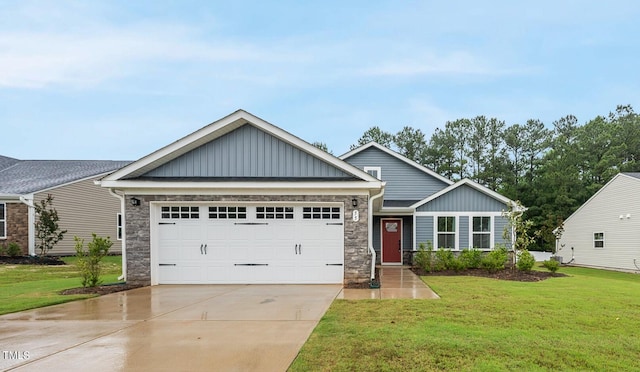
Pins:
<point x="17" y="215"/>
<point x="357" y="260"/>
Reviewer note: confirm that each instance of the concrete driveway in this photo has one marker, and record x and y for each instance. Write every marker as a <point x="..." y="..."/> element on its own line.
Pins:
<point x="168" y="328"/>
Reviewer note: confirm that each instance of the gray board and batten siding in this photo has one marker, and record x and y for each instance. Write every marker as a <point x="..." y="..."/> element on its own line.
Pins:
<point x="404" y="182"/>
<point x="463" y="199"/>
<point x="247" y="152"/>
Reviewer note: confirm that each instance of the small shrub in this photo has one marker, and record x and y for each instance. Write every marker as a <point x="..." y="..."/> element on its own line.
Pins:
<point x="444" y="259"/>
<point x="89" y="260"/>
<point x="525" y="261"/>
<point x="471" y="258"/>
<point x="551" y="265"/>
<point x="424" y="257"/>
<point x="3" y="250"/>
<point x="495" y="260"/>
<point x="456" y="264"/>
<point x="13" y="249"/>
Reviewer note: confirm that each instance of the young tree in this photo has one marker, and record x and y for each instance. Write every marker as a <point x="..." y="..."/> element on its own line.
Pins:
<point x="322" y="146"/>
<point x="48" y="232"/>
<point x="377" y="135"/>
<point x="411" y="143"/>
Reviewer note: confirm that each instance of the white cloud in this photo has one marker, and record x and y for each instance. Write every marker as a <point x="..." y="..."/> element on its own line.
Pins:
<point x="36" y="59"/>
<point x="452" y="64"/>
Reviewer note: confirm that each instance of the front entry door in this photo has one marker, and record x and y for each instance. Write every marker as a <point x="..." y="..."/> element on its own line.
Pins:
<point x="391" y="241"/>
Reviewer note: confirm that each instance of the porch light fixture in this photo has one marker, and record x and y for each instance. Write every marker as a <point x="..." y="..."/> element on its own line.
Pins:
<point x="354" y="202"/>
<point x="135" y="202"/>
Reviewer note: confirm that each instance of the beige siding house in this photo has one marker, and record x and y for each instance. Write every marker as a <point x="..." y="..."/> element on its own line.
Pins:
<point x="605" y="231"/>
<point x="83" y="207"/>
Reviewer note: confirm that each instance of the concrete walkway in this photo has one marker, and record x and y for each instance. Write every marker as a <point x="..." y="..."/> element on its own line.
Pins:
<point x="168" y="328"/>
<point x="396" y="282"/>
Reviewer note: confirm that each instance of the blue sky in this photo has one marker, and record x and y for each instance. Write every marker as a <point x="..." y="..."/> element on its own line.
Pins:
<point x="120" y="79"/>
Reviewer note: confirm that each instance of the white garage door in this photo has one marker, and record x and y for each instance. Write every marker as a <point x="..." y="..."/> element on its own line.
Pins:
<point x="250" y="243"/>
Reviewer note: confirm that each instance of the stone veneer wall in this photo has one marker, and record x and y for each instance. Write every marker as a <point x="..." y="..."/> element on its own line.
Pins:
<point x="357" y="260"/>
<point x="17" y="215"/>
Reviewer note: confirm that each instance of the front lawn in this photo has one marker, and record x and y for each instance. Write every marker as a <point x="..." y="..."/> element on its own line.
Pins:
<point x="587" y="321"/>
<point x="25" y="287"/>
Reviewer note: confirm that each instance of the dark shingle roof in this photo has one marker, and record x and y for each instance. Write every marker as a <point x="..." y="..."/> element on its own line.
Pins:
<point x="633" y="174"/>
<point x="18" y="177"/>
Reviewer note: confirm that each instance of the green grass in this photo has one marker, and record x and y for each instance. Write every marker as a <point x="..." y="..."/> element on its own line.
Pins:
<point x="24" y="287"/>
<point x="588" y="321"/>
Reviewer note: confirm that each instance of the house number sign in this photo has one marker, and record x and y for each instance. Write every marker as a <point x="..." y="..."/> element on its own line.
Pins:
<point x="356" y="215"/>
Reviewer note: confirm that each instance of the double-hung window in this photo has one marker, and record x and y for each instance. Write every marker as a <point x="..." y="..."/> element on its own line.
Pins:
<point x="3" y="220"/>
<point x="446" y="232"/>
<point x="598" y="240"/>
<point x="481" y="238"/>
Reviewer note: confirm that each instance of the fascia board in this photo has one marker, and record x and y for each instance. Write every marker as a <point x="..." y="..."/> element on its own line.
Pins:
<point x="133" y="184"/>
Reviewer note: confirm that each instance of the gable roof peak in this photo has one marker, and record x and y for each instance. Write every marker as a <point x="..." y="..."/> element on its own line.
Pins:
<point x="220" y="128"/>
<point x="398" y="156"/>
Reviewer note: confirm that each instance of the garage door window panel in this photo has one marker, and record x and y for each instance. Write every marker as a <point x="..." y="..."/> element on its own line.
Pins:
<point x="321" y="213"/>
<point x="274" y="213"/>
<point x="180" y="212"/>
<point x="228" y="213"/>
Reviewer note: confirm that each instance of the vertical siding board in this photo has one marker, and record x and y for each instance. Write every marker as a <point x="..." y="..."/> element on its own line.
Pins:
<point x="246" y="152"/>
<point x="463" y="198"/>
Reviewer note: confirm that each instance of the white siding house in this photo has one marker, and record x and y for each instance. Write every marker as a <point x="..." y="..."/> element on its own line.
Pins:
<point x="605" y="231"/>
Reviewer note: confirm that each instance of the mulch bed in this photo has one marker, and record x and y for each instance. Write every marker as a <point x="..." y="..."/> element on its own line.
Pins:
<point x="101" y="289"/>
<point x="506" y="274"/>
<point x="31" y="260"/>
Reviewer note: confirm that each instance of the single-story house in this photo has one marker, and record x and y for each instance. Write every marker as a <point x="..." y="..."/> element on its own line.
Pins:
<point x="605" y="231"/>
<point x="83" y="207"/>
<point x="243" y="201"/>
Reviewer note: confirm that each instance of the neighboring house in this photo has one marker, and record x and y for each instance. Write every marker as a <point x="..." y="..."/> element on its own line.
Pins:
<point x="82" y="206"/>
<point x="605" y="231"/>
<point x="243" y="201"/>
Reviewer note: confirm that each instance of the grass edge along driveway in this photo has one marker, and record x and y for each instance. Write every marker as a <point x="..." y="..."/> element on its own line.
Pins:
<point x="24" y="287"/>
<point x="587" y="321"/>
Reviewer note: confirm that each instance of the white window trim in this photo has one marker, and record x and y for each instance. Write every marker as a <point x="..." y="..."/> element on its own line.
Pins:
<point x="119" y="227"/>
<point x="378" y="171"/>
<point x="456" y="219"/>
<point x="4" y="231"/>
<point x="490" y="233"/>
<point x="434" y="237"/>
<point x="597" y="240"/>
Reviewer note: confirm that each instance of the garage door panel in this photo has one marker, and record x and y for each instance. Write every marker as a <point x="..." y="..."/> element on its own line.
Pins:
<point x="274" y="248"/>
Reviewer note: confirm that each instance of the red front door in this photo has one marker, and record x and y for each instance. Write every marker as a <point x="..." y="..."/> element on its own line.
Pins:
<point x="391" y="240"/>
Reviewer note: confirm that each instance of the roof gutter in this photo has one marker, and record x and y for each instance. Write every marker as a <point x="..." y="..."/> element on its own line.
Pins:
<point x="370" y="230"/>
<point x="124" y="235"/>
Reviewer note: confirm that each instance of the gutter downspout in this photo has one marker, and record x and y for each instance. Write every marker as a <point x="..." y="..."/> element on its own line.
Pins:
<point x="31" y="221"/>
<point x="124" y="235"/>
<point x="370" y="237"/>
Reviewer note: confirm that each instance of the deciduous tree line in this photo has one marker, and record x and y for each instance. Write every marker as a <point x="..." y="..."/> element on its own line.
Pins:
<point x="552" y="171"/>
